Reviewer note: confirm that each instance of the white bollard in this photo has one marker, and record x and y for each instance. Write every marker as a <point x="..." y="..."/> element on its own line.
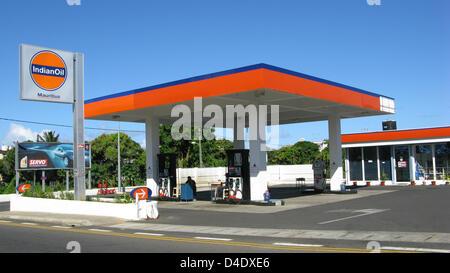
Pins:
<point x="137" y="207"/>
<point x="152" y="210"/>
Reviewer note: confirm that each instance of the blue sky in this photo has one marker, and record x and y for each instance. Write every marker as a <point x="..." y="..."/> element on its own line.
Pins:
<point x="399" y="49"/>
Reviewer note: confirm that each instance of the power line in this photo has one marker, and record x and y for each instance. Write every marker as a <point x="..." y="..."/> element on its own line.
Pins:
<point x="68" y="126"/>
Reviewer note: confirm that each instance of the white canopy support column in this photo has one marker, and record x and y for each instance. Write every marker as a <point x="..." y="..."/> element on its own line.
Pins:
<point x="335" y="146"/>
<point x="152" y="151"/>
<point x="238" y="136"/>
<point x="258" y="167"/>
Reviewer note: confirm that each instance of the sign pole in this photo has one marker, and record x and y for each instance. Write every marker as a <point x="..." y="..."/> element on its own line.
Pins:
<point x="43" y="180"/>
<point x="16" y="164"/>
<point x="17" y="180"/>
<point x="79" y="172"/>
<point x="119" y="176"/>
<point x="67" y="180"/>
<point x="89" y="178"/>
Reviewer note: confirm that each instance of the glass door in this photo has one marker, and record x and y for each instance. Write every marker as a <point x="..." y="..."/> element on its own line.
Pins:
<point x="385" y="162"/>
<point x="402" y="163"/>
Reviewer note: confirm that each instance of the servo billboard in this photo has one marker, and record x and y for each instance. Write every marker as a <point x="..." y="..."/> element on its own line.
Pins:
<point x="48" y="156"/>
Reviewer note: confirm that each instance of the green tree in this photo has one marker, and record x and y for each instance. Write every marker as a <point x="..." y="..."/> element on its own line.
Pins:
<point x="302" y="152"/>
<point x="48" y="136"/>
<point x="104" y="159"/>
<point x="7" y="166"/>
<point x="213" y="151"/>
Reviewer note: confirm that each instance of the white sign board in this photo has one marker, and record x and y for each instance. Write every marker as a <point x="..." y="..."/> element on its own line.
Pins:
<point x="46" y="74"/>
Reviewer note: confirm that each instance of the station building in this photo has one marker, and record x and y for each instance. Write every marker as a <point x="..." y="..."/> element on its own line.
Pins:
<point x="398" y="156"/>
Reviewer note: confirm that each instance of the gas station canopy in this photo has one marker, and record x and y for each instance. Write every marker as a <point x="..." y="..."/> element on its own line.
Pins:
<point x="301" y="98"/>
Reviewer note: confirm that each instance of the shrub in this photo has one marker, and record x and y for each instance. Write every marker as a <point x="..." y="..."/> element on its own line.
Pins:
<point x="11" y="188"/>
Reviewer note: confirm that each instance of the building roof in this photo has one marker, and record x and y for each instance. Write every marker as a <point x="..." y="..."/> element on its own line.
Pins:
<point x="422" y="135"/>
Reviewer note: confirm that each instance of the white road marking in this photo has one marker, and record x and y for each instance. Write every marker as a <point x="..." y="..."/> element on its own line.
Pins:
<point x="216" y="239"/>
<point x="32" y="224"/>
<point x="100" y="230"/>
<point x="358" y="235"/>
<point x="5" y="221"/>
<point x="61" y="227"/>
<point x="300" y="245"/>
<point x="415" y="249"/>
<point x="364" y="212"/>
<point x="149" y="234"/>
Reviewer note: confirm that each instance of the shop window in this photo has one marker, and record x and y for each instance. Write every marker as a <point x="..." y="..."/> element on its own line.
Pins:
<point x="442" y="160"/>
<point x="424" y="163"/>
<point x="355" y="159"/>
<point x="384" y="153"/>
<point x="370" y="163"/>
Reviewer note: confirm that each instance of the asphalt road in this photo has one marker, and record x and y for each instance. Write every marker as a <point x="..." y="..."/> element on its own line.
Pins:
<point x="413" y="209"/>
<point x="407" y="209"/>
<point x="26" y="237"/>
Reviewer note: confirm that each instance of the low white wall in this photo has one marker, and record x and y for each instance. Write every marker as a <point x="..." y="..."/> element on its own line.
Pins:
<point x="285" y="174"/>
<point x="202" y="176"/>
<point x="278" y="174"/>
<point x="6" y="197"/>
<point x="124" y="211"/>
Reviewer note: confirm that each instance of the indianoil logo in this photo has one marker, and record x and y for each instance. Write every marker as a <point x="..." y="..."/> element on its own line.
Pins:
<point x="48" y="70"/>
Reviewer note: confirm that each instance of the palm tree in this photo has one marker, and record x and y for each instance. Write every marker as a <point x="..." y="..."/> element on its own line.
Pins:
<point x="48" y="136"/>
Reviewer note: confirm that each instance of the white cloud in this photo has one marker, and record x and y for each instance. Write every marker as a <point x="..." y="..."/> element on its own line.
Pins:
<point x="19" y="133"/>
<point x="142" y="143"/>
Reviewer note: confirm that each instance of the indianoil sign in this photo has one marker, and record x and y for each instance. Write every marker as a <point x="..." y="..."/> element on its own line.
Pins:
<point x="46" y="74"/>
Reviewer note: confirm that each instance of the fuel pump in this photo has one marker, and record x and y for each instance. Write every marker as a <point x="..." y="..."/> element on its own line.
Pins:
<point x="237" y="185"/>
<point x="320" y="175"/>
<point x="167" y="174"/>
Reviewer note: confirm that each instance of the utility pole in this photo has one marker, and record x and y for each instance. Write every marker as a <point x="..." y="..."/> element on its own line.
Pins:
<point x="119" y="177"/>
<point x="79" y="166"/>
<point x="200" y="151"/>
<point x="199" y="147"/>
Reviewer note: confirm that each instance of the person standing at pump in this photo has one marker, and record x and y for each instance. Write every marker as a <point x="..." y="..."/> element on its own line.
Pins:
<point x="191" y="183"/>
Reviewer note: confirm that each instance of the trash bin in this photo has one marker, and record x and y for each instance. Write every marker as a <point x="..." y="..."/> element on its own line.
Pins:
<point x="187" y="194"/>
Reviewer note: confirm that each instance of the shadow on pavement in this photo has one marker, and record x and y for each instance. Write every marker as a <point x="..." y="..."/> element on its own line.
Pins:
<point x="276" y="192"/>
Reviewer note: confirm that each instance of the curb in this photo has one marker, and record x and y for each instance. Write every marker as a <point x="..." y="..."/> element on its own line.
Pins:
<point x="59" y="219"/>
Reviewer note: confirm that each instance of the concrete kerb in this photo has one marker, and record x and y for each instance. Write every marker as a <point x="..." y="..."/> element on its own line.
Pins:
<point x="60" y="219"/>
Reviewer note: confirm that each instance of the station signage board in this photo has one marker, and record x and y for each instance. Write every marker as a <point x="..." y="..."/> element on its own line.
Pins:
<point x="46" y="74"/>
<point x="53" y="75"/>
